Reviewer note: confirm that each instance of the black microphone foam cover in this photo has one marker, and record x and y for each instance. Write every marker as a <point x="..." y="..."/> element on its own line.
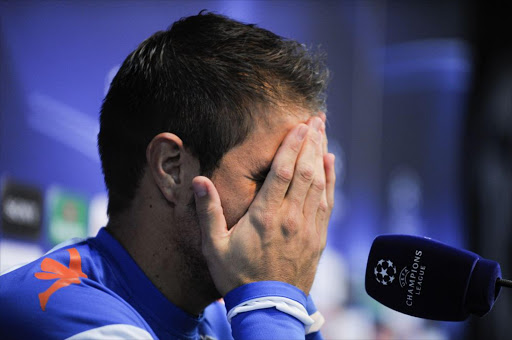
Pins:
<point x="428" y="279"/>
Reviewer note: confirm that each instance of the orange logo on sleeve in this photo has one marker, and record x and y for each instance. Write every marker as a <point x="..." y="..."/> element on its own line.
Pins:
<point x="56" y="270"/>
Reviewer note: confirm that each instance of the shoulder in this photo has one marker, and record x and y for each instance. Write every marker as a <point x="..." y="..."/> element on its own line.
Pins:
<point x="61" y="295"/>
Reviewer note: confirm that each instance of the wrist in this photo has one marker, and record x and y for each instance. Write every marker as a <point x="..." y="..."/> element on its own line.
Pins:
<point x="260" y="289"/>
<point x="269" y="295"/>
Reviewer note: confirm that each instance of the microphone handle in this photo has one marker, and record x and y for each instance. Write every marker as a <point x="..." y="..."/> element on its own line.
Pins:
<point x="504" y="283"/>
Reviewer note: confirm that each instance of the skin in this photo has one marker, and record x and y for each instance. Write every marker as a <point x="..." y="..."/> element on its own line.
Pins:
<point x="238" y="231"/>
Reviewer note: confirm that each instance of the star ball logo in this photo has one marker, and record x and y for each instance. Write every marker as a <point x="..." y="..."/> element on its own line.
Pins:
<point x="385" y="272"/>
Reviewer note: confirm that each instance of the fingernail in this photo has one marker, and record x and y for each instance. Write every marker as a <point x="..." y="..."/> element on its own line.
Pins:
<point x="199" y="189"/>
<point x="303" y="130"/>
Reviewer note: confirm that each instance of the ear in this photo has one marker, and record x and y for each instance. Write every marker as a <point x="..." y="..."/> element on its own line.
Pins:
<point x="165" y="155"/>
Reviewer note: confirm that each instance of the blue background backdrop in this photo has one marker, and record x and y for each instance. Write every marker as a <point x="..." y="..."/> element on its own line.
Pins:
<point x="400" y="79"/>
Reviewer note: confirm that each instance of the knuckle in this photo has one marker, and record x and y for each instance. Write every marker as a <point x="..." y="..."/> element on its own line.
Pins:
<point x="211" y="209"/>
<point x="257" y="208"/>
<point x="319" y="184"/>
<point x="316" y="138"/>
<point x="290" y="223"/>
<point x="323" y="206"/>
<point x="283" y="174"/>
<point x="296" y="146"/>
<point x="295" y="201"/>
<point x="264" y="219"/>
<point x="306" y="172"/>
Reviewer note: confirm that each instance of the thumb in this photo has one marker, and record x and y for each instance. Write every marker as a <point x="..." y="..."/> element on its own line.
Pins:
<point x="209" y="211"/>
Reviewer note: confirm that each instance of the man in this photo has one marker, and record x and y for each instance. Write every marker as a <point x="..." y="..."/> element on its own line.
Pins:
<point x="220" y="185"/>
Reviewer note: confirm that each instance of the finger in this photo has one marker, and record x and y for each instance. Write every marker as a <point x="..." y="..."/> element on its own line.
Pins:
<point x="324" y="119"/>
<point x="273" y="190"/>
<point x="323" y="216"/>
<point x="214" y="231"/>
<point x="325" y="142"/>
<point x="306" y="166"/>
<point x="316" y="190"/>
<point x="330" y="178"/>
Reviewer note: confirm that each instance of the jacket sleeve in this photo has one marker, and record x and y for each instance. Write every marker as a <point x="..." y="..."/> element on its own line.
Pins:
<point x="313" y="331"/>
<point x="268" y="310"/>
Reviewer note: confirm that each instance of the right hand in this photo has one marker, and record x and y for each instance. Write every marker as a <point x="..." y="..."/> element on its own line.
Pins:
<point x="284" y="231"/>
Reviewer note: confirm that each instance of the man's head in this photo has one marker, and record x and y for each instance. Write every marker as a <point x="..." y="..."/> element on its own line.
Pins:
<point x="208" y="80"/>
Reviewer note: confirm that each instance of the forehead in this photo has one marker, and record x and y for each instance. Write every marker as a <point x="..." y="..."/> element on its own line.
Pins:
<point x="260" y="146"/>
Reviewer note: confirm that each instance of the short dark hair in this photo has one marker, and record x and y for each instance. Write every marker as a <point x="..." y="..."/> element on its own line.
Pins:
<point x="204" y="79"/>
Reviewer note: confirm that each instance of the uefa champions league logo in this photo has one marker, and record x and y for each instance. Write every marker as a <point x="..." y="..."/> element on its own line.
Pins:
<point x="385" y="272"/>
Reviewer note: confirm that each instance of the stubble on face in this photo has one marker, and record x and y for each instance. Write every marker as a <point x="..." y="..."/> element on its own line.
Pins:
<point x="195" y="272"/>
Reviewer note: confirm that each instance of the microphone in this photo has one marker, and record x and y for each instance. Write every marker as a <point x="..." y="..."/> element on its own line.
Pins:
<point x="428" y="279"/>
